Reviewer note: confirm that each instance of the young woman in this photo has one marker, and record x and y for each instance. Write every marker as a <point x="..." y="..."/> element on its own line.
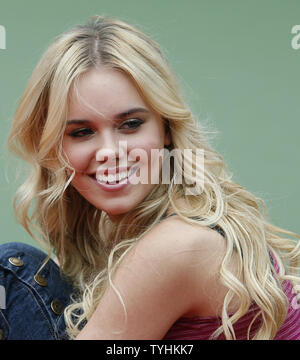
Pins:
<point x="103" y="126"/>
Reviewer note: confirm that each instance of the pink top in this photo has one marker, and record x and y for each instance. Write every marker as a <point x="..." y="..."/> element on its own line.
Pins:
<point x="201" y="328"/>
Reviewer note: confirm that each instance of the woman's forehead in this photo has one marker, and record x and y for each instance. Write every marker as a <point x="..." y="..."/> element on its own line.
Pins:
<point x="107" y="92"/>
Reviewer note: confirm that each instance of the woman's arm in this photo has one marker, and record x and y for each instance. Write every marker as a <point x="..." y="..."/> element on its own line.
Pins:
<point x="164" y="277"/>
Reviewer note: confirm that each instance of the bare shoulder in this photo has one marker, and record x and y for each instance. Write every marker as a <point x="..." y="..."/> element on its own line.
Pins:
<point x="195" y="253"/>
<point x="167" y="274"/>
<point x="174" y="236"/>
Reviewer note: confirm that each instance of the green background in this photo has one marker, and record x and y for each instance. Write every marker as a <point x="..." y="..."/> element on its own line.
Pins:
<point x="236" y="65"/>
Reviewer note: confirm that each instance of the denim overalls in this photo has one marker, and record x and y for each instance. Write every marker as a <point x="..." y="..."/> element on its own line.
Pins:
<point x="31" y="307"/>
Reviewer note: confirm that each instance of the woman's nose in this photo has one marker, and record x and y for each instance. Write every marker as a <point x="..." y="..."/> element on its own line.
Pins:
<point x="111" y="151"/>
<point x="107" y="156"/>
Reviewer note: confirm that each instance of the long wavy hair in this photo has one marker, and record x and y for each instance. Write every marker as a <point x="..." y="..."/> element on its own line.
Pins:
<point x="89" y="247"/>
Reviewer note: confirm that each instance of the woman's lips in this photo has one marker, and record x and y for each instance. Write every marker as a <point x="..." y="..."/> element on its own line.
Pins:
<point x="115" y="184"/>
<point x="115" y="176"/>
<point x="112" y="171"/>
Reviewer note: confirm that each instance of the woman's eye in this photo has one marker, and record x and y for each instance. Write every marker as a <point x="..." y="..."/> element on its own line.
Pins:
<point x="127" y="125"/>
<point x="131" y="124"/>
<point x="81" y="132"/>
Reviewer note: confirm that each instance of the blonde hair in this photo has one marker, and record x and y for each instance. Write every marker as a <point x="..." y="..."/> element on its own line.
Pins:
<point x="88" y="246"/>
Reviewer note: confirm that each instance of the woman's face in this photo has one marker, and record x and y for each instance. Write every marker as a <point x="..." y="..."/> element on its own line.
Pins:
<point x="109" y="136"/>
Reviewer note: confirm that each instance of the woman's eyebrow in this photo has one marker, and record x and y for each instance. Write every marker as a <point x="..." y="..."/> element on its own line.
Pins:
<point x="78" y="121"/>
<point x="120" y="116"/>
<point x="129" y="112"/>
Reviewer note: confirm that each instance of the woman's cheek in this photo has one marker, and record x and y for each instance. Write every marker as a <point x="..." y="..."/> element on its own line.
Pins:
<point x="140" y="152"/>
<point x="146" y="144"/>
<point x="149" y="156"/>
<point x="78" y="157"/>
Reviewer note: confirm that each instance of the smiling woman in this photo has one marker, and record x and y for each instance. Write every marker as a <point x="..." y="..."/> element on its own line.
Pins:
<point x="99" y="107"/>
<point x="113" y="113"/>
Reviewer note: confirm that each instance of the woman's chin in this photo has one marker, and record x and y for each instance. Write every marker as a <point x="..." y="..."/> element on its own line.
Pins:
<point x="117" y="214"/>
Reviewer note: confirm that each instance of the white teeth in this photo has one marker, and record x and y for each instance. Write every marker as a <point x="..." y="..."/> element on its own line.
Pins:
<point x="114" y="178"/>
